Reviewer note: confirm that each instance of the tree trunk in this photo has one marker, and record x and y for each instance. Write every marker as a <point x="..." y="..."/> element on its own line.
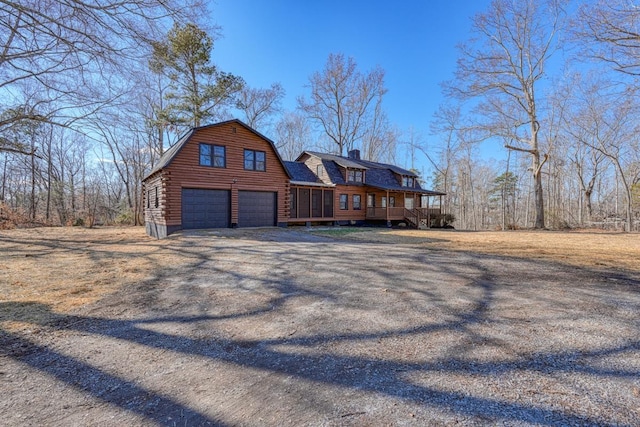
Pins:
<point x="587" y="198"/>
<point x="4" y="180"/>
<point x="49" y="174"/>
<point x="32" y="207"/>
<point x="537" y="174"/>
<point x="538" y="194"/>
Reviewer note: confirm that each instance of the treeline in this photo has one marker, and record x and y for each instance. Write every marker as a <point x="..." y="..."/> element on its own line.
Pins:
<point x="551" y="87"/>
<point x="91" y="96"/>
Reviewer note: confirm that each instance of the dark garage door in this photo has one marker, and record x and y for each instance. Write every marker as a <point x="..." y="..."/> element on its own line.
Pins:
<point x="256" y="209"/>
<point x="205" y="208"/>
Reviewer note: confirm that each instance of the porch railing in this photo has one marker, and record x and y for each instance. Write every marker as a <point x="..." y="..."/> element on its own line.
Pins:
<point x="416" y="216"/>
<point x="381" y="213"/>
<point x="420" y="217"/>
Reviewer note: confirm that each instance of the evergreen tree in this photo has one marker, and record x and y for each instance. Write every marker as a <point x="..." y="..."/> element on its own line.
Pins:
<point x="198" y="90"/>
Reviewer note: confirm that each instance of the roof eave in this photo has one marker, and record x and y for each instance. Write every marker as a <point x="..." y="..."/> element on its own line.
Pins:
<point x="312" y="184"/>
<point x="407" y="190"/>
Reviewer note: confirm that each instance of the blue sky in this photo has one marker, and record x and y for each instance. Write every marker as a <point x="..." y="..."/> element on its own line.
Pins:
<point x="286" y="41"/>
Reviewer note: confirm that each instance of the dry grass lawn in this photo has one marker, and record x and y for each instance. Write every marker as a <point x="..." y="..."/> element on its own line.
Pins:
<point x="66" y="268"/>
<point x="591" y="248"/>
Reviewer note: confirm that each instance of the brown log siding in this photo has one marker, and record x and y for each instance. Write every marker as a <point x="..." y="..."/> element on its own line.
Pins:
<point x="154" y="200"/>
<point x="185" y="171"/>
<point x="350" y="214"/>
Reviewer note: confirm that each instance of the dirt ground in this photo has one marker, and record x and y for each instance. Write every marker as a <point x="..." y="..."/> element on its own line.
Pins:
<point x="322" y="327"/>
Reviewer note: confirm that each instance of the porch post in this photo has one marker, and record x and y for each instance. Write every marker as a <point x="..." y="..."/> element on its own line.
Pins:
<point x="387" y="211"/>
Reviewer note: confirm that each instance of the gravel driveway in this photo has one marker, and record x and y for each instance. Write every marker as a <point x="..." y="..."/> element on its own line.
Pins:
<point x="270" y="327"/>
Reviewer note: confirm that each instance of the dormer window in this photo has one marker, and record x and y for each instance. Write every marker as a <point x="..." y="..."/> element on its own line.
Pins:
<point x="355" y="175"/>
<point x="408" y="181"/>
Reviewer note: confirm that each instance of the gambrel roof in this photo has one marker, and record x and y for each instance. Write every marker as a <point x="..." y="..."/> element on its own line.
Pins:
<point x="173" y="151"/>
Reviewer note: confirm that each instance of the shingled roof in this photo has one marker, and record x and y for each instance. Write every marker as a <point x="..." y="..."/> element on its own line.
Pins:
<point x="345" y="162"/>
<point x="301" y="173"/>
<point x="385" y="179"/>
<point x="378" y="175"/>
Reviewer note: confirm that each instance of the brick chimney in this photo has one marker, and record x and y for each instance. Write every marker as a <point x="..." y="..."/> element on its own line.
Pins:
<point x="354" y="154"/>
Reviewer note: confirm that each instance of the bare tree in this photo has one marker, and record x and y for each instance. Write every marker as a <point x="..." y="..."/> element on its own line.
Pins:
<point x="58" y="58"/>
<point x="588" y="165"/>
<point x="128" y="153"/>
<point x="502" y="65"/>
<point x="343" y="101"/>
<point x="608" y="31"/>
<point x="260" y="105"/>
<point x="447" y="127"/>
<point x="293" y="134"/>
<point x="380" y="139"/>
<point x="605" y="119"/>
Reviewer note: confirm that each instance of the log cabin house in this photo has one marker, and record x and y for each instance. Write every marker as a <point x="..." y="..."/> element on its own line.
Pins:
<point x="229" y="175"/>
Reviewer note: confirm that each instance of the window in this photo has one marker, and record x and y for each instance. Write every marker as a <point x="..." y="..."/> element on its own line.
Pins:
<point x="384" y="201"/>
<point x="213" y="155"/>
<point x="354" y="175"/>
<point x="357" y="202"/>
<point x="319" y="170"/>
<point x="219" y="156"/>
<point x="344" y="202"/>
<point x="148" y="198"/>
<point x="254" y="160"/>
<point x="304" y="203"/>
<point x="293" y="203"/>
<point x="408" y="181"/>
<point x="371" y="200"/>
<point x="316" y="203"/>
<point x="392" y="201"/>
<point x="156" y="202"/>
<point x="408" y="203"/>
<point x="260" y="160"/>
<point x="328" y="203"/>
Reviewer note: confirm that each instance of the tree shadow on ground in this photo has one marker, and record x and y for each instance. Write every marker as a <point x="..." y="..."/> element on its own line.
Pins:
<point x="99" y="384"/>
<point x="284" y="356"/>
<point x="362" y="373"/>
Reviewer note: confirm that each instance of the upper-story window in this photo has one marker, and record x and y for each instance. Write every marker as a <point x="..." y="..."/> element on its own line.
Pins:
<point x="255" y="160"/>
<point x="354" y="175"/>
<point x="408" y="181"/>
<point x="213" y="155"/>
<point x="319" y="171"/>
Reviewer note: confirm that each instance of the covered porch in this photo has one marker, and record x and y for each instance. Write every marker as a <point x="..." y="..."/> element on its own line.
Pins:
<point x="416" y="208"/>
<point x="311" y="202"/>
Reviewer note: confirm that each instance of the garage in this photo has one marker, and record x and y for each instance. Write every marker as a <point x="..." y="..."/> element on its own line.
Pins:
<point x="205" y="208"/>
<point x="256" y="209"/>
